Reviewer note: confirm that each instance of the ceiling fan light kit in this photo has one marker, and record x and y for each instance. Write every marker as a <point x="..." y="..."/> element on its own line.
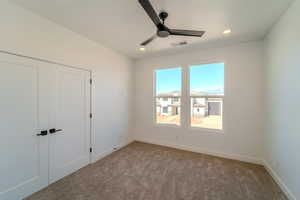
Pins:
<point x="162" y="30"/>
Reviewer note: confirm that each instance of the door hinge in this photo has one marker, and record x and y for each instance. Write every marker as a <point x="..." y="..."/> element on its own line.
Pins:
<point x="91" y="150"/>
<point x="91" y="81"/>
<point x="91" y="115"/>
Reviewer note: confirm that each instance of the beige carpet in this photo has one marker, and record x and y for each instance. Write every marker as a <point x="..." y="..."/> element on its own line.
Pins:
<point x="149" y="172"/>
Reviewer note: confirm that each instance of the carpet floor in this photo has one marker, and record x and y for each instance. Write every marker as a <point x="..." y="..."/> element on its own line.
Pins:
<point x="142" y="171"/>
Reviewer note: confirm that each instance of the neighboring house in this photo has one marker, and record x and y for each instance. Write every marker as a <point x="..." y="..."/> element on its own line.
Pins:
<point x="205" y="106"/>
<point x="202" y="105"/>
<point x="168" y="104"/>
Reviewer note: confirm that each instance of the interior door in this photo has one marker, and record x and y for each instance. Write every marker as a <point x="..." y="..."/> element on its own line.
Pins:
<point x="23" y="154"/>
<point x="69" y="140"/>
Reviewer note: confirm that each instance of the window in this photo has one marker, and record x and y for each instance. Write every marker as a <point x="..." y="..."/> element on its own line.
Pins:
<point x="165" y="109"/>
<point x="206" y="95"/>
<point x="167" y="95"/>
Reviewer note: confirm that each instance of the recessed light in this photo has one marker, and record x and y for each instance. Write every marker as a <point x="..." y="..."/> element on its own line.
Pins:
<point x="228" y="31"/>
<point x="142" y="48"/>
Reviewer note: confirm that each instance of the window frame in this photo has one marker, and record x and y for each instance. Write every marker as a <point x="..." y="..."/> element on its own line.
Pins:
<point x="188" y="89"/>
<point x="154" y="97"/>
<point x="185" y="102"/>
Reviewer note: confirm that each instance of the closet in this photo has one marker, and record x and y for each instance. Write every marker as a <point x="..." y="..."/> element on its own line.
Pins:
<point x="44" y="124"/>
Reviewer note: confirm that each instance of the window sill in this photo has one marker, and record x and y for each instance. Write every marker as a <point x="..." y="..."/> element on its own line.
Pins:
<point x="206" y="130"/>
<point x="167" y="125"/>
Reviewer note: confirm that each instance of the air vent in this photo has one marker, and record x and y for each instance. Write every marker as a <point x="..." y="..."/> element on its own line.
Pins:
<point x="179" y="44"/>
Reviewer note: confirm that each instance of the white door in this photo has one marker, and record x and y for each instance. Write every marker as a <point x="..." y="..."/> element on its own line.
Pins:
<point x="36" y="96"/>
<point x="23" y="154"/>
<point x="69" y="146"/>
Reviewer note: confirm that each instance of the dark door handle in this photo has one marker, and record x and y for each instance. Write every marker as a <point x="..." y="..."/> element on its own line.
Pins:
<point x="43" y="133"/>
<point x="53" y="130"/>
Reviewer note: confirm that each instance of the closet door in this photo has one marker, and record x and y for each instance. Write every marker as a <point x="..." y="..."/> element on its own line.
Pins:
<point x="36" y="97"/>
<point x="23" y="115"/>
<point x="69" y="140"/>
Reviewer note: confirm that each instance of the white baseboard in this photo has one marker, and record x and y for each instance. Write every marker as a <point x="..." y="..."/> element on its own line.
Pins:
<point x="99" y="156"/>
<point x="279" y="181"/>
<point x="204" y="151"/>
<point x="124" y="144"/>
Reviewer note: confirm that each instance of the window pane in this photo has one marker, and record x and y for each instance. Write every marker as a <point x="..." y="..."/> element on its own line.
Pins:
<point x="168" y="112"/>
<point x="207" y="91"/>
<point x="168" y="92"/>
<point x="206" y="112"/>
<point x="168" y="82"/>
<point x="207" y="79"/>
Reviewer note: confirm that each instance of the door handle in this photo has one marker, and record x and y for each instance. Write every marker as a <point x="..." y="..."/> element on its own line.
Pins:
<point x="53" y="130"/>
<point x="43" y="133"/>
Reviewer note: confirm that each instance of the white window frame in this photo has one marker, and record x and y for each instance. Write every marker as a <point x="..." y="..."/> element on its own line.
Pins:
<point x="189" y="99"/>
<point x="155" y="97"/>
<point x="185" y="102"/>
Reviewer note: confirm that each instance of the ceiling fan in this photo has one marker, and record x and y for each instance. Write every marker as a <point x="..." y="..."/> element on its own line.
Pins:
<point x="162" y="30"/>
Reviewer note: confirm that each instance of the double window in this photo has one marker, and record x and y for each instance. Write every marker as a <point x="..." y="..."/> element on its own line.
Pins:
<point x="205" y="93"/>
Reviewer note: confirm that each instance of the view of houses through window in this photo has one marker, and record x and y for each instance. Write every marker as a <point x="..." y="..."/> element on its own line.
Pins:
<point x="206" y="84"/>
<point x="206" y="95"/>
<point x="168" y="95"/>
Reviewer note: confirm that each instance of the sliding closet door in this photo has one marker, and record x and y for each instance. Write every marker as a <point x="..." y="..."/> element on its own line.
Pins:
<point x="69" y="139"/>
<point x="23" y="154"/>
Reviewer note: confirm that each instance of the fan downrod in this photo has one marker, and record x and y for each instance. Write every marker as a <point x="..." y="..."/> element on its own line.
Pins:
<point x="163" y="16"/>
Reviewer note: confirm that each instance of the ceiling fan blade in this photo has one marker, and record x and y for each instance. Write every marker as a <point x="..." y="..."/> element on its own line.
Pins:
<point x="187" y="32"/>
<point x="149" y="40"/>
<point x="150" y="11"/>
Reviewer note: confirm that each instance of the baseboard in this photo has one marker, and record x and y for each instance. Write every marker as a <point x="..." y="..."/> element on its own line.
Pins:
<point x="204" y="151"/>
<point x="279" y="181"/>
<point x="99" y="156"/>
<point x="124" y="144"/>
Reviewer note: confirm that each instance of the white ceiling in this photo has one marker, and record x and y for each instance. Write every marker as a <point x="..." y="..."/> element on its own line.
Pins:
<point x="123" y="24"/>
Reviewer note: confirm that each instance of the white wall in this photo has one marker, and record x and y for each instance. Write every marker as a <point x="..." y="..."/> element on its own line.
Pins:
<point x="282" y="141"/>
<point x="243" y="104"/>
<point x="26" y="33"/>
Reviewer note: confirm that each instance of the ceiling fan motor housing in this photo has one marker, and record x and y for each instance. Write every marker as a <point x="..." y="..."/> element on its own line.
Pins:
<point x="162" y="31"/>
<point x="163" y="34"/>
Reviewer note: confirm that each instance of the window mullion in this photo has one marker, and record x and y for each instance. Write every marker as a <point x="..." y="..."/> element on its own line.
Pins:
<point x="184" y="97"/>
